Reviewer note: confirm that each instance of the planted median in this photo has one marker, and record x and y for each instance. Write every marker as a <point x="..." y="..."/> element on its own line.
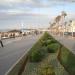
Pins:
<point x="43" y="58"/>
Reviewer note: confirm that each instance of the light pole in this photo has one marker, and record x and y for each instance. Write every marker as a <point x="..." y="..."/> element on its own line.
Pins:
<point x="71" y="27"/>
<point x="22" y="28"/>
<point x="72" y="31"/>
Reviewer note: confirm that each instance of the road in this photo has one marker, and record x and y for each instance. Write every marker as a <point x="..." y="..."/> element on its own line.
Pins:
<point x="13" y="50"/>
<point x="69" y="42"/>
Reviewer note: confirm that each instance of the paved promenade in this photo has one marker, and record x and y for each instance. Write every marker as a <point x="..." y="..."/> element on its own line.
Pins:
<point x="69" y="42"/>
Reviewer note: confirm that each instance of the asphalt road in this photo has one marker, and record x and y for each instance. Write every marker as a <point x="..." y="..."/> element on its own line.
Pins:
<point x="13" y="50"/>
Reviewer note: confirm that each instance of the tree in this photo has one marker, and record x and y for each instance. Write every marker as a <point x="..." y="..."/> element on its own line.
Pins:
<point x="71" y="26"/>
<point x="65" y="24"/>
<point x="64" y="14"/>
<point x="51" y="26"/>
<point x="57" y="20"/>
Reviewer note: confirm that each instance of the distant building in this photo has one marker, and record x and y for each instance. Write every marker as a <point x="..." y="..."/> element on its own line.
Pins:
<point x="71" y="27"/>
<point x="10" y="34"/>
<point x="14" y="33"/>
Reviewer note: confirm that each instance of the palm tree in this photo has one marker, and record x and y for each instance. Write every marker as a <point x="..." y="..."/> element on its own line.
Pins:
<point x="65" y="25"/>
<point x="63" y="15"/>
<point x="57" y="20"/>
<point x="71" y="26"/>
<point x="51" y="26"/>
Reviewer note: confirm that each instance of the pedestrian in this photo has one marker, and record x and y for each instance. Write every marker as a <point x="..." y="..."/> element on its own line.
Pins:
<point x="1" y="41"/>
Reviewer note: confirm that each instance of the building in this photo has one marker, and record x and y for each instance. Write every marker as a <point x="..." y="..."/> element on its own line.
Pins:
<point x="70" y="27"/>
<point x="14" y="33"/>
<point x="73" y="26"/>
<point x="10" y="34"/>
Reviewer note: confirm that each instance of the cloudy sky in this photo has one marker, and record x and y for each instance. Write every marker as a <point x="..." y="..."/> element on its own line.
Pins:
<point x="33" y="13"/>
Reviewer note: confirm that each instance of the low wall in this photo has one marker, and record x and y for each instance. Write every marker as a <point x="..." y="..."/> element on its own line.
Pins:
<point x="67" y="59"/>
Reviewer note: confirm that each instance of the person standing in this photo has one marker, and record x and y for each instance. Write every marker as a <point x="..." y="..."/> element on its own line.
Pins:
<point x="1" y="41"/>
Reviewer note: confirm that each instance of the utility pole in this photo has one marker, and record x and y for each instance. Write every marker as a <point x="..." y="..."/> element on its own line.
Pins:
<point x="22" y="28"/>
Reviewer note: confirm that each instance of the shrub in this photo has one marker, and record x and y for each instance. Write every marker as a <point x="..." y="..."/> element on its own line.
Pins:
<point x="46" y="36"/>
<point x="47" y="70"/>
<point x="52" y="48"/>
<point x="39" y="50"/>
<point x="37" y="55"/>
<point x="46" y="42"/>
<point x="43" y="51"/>
<point x="50" y="41"/>
<point x="53" y="41"/>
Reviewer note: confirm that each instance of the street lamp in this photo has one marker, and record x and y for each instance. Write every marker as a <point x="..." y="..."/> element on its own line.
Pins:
<point x="72" y="31"/>
<point x="71" y="27"/>
<point x="22" y="25"/>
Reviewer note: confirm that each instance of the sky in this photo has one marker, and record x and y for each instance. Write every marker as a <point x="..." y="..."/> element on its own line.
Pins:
<point x="33" y="13"/>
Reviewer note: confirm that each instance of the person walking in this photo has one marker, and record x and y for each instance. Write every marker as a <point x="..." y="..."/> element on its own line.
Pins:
<point x="1" y="41"/>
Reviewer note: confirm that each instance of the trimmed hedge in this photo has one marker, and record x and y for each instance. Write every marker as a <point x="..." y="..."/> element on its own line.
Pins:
<point x="39" y="50"/>
<point x="41" y="41"/>
<point x="67" y="59"/>
<point x="45" y="44"/>
<point x="52" y="48"/>
<point x="37" y="55"/>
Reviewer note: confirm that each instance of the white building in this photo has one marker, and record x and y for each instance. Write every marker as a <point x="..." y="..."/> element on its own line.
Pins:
<point x="73" y="26"/>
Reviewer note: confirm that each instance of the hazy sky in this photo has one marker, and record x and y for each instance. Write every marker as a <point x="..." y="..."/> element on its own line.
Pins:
<point x="33" y="13"/>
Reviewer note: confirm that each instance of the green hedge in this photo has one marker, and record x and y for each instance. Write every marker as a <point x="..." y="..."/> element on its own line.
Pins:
<point x="52" y="48"/>
<point x="45" y="44"/>
<point x="41" y="41"/>
<point x="39" y="50"/>
<point x="37" y="55"/>
<point x="67" y="59"/>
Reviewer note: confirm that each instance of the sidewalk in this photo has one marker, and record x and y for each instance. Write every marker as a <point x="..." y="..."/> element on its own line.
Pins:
<point x="69" y="42"/>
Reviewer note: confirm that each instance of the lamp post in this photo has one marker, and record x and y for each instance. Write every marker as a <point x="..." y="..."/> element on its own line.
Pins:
<point x="72" y="31"/>
<point x="71" y="27"/>
<point x="22" y="28"/>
